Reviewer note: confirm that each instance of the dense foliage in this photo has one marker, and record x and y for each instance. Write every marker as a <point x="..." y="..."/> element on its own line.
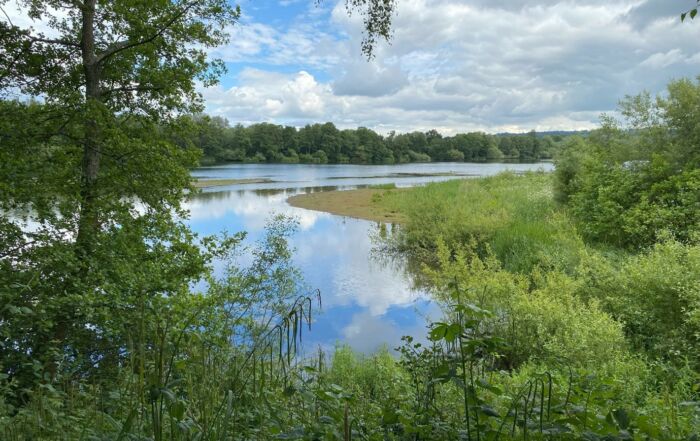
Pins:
<point x="595" y="267"/>
<point x="632" y="184"/>
<point x="502" y="244"/>
<point x="113" y="324"/>
<point x="324" y="143"/>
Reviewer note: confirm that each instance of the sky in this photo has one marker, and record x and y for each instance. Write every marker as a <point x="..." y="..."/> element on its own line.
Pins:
<point x="452" y="65"/>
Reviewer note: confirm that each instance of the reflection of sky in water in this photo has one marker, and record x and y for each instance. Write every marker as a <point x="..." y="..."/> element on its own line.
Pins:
<point x="365" y="303"/>
<point x="307" y="175"/>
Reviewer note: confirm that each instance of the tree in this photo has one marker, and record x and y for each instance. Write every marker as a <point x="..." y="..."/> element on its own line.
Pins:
<point x="636" y="184"/>
<point x="91" y="166"/>
<point x="137" y="59"/>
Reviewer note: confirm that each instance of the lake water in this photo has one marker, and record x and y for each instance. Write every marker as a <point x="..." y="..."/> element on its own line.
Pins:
<point x="367" y="302"/>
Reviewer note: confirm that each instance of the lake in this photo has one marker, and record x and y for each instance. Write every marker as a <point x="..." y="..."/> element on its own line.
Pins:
<point x="367" y="302"/>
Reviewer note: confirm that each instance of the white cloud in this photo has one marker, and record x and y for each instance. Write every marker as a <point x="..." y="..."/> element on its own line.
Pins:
<point x="661" y="60"/>
<point x="467" y="65"/>
<point x="253" y="210"/>
<point x="366" y="333"/>
<point x="377" y="79"/>
<point x="453" y="65"/>
<point x="264" y="96"/>
<point x="247" y="40"/>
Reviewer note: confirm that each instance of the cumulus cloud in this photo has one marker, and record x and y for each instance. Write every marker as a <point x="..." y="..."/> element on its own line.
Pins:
<point x="487" y="65"/>
<point x="453" y="65"/>
<point x="376" y="79"/>
<point x="265" y="95"/>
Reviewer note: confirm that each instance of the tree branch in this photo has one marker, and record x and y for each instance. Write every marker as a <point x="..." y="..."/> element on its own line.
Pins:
<point x="137" y="88"/>
<point x="121" y="46"/>
<point x="53" y="41"/>
<point x="7" y="16"/>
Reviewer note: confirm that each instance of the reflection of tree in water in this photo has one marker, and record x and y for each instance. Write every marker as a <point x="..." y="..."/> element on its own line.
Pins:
<point x="386" y="252"/>
<point x="221" y="195"/>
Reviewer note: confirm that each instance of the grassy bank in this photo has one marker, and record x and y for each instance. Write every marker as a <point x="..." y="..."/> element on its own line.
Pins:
<point x="513" y="215"/>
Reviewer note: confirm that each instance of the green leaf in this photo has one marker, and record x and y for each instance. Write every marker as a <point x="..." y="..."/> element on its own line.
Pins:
<point x="442" y="371"/>
<point x="177" y="410"/>
<point x="489" y="411"/>
<point x="325" y="419"/>
<point x="438" y="332"/>
<point x="452" y="332"/>
<point x="126" y="427"/>
<point x="622" y="418"/>
<point x="693" y="13"/>
<point x="389" y="416"/>
<point x="486" y="385"/>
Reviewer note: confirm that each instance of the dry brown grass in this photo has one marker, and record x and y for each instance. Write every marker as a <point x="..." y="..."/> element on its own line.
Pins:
<point x="361" y="204"/>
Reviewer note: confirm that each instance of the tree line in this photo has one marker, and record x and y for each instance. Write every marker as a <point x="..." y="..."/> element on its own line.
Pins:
<point x="325" y="143"/>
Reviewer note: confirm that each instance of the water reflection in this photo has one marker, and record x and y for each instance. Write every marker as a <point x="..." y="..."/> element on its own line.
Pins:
<point x="367" y="302"/>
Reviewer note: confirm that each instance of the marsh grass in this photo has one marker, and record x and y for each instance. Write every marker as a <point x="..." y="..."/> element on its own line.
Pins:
<point x="513" y="215"/>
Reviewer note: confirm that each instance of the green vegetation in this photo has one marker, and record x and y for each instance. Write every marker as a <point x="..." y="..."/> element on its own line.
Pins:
<point x="324" y="143"/>
<point x="515" y="217"/>
<point x="549" y="331"/>
<point x="570" y="320"/>
<point x="605" y="281"/>
<point x="557" y="302"/>
<point x="632" y="184"/>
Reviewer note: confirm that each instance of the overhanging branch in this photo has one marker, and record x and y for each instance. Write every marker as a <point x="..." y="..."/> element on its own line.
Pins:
<point x="121" y="46"/>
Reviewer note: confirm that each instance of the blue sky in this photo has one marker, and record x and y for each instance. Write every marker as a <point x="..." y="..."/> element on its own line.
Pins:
<point x="454" y="65"/>
<point x="282" y="16"/>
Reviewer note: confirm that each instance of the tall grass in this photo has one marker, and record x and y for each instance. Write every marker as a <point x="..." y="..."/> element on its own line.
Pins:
<point x="515" y="216"/>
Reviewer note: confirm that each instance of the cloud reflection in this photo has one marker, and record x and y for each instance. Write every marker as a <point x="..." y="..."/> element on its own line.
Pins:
<point x="366" y="303"/>
<point x="248" y="210"/>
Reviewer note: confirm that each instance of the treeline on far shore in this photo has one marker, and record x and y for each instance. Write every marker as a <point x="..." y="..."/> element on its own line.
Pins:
<point x="325" y="143"/>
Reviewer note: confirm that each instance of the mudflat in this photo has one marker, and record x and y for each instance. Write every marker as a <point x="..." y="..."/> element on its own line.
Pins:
<point x="364" y="203"/>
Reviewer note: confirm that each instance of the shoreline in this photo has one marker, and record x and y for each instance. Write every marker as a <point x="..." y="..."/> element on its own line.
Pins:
<point x="206" y="183"/>
<point x="362" y="203"/>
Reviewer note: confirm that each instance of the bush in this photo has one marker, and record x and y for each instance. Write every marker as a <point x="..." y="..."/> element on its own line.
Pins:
<point x="540" y="317"/>
<point x="656" y="294"/>
<point x="630" y="185"/>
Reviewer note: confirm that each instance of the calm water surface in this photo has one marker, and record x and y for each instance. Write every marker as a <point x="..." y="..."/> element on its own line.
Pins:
<point x="367" y="302"/>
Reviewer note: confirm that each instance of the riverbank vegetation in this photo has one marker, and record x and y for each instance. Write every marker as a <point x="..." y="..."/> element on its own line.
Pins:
<point x="595" y="269"/>
<point x="550" y="329"/>
<point x="571" y="302"/>
<point x="597" y="265"/>
<point x="326" y="144"/>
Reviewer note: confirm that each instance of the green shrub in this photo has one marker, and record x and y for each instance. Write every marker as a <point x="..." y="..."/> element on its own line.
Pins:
<point x="540" y="316"/>
<point x="656" y="294"/>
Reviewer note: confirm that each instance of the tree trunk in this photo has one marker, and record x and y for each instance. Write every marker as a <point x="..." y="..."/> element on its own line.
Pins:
<point x="88" y="220"/>
<point x="88" y="223"/>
